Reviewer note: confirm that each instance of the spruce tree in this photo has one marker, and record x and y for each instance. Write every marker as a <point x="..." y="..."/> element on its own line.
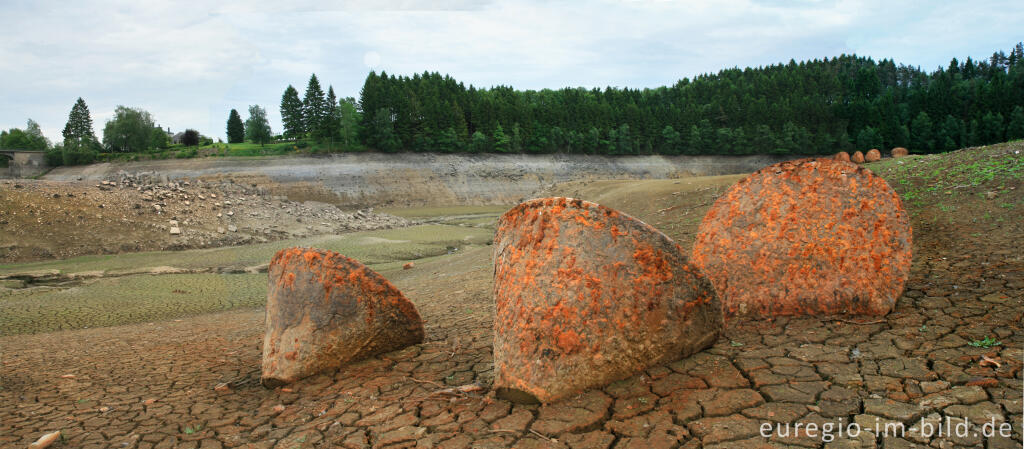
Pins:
<point x="1015" y="130"/>
<point x="79" y="125"/>
<point x="291" y="113"/>
<point x="236" y="130"/>
<point x="314" y="108"/>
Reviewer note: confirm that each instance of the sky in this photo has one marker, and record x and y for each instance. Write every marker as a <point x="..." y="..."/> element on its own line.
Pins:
<point x="190" y="62"/>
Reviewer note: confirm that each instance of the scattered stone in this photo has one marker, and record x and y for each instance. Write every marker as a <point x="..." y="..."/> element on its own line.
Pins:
<point x="857" y="157"/>
<point x="873" y="155"/>
<point x="899" y="152"/>
<point x="361" y="315"/>
<point x="812" y="236"/>
<point x="45" y="440"/>
<point x="586" y="295"/>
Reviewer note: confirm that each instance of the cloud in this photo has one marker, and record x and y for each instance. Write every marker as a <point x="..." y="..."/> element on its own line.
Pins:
<point x="189" y="63"/>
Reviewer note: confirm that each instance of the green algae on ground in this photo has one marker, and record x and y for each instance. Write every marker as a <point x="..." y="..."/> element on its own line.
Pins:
<point x="369" y="247"/>
<point x="126" y="300"/>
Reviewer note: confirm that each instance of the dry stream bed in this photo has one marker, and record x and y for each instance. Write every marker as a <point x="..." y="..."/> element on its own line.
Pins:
<point x="953" y="347"/>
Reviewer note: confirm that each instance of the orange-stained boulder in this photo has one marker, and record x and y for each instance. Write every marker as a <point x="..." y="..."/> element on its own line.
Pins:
<point x="586" y="295"/>
<point x="857" y="157"/>
<point x="900" y="152"/>
<point x="842" y="156"/>
<point x="873" y="155"/>
<point x="813" y="236"/>
<point x="324" y="310"/>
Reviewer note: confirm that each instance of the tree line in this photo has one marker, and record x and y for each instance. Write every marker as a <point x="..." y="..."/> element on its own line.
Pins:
<point x="812" y="107"/>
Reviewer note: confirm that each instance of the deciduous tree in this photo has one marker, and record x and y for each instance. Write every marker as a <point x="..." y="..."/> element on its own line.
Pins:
<point x="131" y="130"/>
<point x="257" y="128"/>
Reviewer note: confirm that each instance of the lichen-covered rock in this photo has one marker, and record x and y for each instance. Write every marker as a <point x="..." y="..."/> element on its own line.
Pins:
<point x="900" y="152"/>
<point x="857" y="157"/>
<point x="842" y="156"/>
<point x="324" y="310"/>
<point x="813" y="236"/>
<point x="873" y="155"/>
<point x="586" y="295"/>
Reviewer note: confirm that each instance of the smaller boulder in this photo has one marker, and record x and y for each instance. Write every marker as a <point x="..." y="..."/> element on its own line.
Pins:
<point x="857" y="157"/>
<point x="408" y="265"/>
<point x="842" y="156"/>
<point x="900" y="152"/>
<point x="873" y="155"/>
<point x="325" y="310"/>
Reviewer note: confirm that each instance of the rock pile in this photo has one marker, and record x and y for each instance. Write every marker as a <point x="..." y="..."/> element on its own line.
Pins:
<point x="131" y="212"/>
<point x="586" y="295"/>
<point x="325" y="310"/>
<point x="806" y="237"/>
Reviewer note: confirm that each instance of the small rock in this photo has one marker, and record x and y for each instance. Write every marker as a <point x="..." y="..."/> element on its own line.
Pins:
<point x="408" y="266"/>
<point x="45" y="440"/>
<point x="991" y="195"/>
<point x="174" y="222"/>
<point x="175" y="230"/>
<point x="223" y="386"/>
<point x="220" y="229"/>
<point x="232" y="228"/>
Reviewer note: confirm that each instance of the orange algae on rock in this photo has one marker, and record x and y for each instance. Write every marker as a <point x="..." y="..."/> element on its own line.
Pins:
<point x="586" y="295"/>
<point x="324" y="310"/>
<point x="812" y="236"/>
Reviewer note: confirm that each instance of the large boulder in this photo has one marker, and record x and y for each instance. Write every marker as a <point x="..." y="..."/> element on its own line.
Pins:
<point x="325" y="310"/>
<point x="842" y="156"/>
<point x="586" y="295"/>
<point x="873" y="155"/>
<point x="812" y="236"/>
<point x="857" y="157"/>
<point x="900" y="152"/>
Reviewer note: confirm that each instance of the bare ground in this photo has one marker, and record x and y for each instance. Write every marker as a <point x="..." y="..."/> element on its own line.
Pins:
<point x="952" y="348"/>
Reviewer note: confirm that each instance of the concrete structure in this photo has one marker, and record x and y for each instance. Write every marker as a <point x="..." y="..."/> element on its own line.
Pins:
<point x="23" y="163"/>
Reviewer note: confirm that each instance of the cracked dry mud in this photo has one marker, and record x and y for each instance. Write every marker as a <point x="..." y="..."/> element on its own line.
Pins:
<point x="195" y="383"/>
